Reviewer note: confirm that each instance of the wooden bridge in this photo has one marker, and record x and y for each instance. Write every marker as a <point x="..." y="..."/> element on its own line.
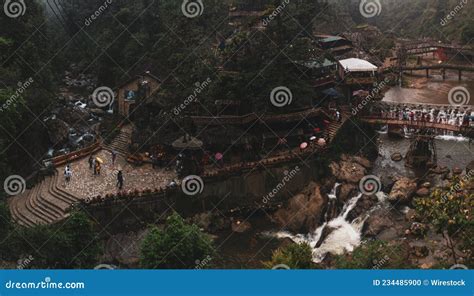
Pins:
<point x="465" y="130"/>
<point x="442" y="67"/>
<point x="253" y="117"/>
<point x="429" y="47"/>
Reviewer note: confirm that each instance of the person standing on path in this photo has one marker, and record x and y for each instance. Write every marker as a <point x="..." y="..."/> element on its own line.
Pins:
<point x="67" y="173"/>
<point x="120" y="180"/>
<point x="91" y="162"/>
<point x="114" y="157"/>
<point x="94" y="166"/>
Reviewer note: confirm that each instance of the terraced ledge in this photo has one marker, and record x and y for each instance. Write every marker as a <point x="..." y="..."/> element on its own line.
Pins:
<point x="46" y="203"/>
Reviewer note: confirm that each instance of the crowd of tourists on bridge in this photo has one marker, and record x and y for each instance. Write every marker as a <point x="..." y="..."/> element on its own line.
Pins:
<point x="453" y="117"/>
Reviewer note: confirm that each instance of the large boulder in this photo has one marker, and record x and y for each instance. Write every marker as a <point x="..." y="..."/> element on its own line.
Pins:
<point x="346" y="192"/>
<point x="58" y="131"/>
<point x="379" y="221"/>
<point x="423" y="191"/>
<point x="470" y="167"/>
<point x="364" y="204"/>
<point x="402" y="191"/>
<point x="304" y="212"/>
<point x="348" y="171"/>
<point x="397" y="156"/>
<point x="74" y="115"/>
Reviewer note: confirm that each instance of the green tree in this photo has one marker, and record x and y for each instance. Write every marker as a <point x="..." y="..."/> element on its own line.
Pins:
<point x="374" y="255"/>
<point x="178" y="245"/>
<point x="69" y="244"/>
<point x="449" y="211"/>
<point x="295" y="256"/>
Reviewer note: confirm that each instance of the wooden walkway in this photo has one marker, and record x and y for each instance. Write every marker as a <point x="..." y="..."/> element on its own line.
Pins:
<point x="50" y="200"/>
<point x="253" y="117"/>
<point x="418" y="124"/>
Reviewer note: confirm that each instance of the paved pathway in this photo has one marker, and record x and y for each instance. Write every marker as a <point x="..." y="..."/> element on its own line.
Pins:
<point x="84" y="184"/>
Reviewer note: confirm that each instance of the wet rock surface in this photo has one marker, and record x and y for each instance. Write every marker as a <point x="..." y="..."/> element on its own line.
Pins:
<point x="402" y="191"/>
<point x="349" y="169"/>
<point x="304" y="211"/>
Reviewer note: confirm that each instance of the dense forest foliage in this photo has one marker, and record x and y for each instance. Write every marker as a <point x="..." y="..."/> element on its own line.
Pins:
<point x="124" y="38"/>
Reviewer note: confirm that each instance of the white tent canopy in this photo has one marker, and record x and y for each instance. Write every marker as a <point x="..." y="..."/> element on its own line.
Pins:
<point x="357" y="65"/>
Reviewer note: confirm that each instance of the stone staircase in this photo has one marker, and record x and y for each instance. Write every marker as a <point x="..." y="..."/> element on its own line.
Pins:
<point x="45" y="203"/>
<point x="122" y="141"/>
<point x="334" y="126"/>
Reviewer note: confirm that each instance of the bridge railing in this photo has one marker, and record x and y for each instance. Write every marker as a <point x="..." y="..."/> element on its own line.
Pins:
<point x="418" y="123"/>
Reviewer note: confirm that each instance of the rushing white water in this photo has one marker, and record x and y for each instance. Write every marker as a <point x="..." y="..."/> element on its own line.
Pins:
<point x="452" y="138"/>
<point x="344" y="235"/>
<point x="332" y="195"/>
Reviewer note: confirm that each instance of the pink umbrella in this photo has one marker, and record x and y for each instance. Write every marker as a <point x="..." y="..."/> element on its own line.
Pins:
<point x="303" y="145"/>
<point x="219" y="156"/>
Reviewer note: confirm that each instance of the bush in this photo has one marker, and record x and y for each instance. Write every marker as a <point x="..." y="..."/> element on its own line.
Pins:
<point x="374" y="255"/>
<point x="179" y="245"/>
<point x="450" y="209"/>
<point x="295" y="256"/>
<point x="69" y="244"/>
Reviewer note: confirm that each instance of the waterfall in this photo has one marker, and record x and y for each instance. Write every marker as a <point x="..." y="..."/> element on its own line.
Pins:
<point x="344" y="235"/>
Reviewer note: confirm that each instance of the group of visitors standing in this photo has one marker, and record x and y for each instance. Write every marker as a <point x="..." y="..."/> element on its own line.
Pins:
<point x="95" y="164"/>
<point x="450" y="116"/>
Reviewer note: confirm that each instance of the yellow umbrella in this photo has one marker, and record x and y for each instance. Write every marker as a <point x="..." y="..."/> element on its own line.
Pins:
<point x="99" y="160"/>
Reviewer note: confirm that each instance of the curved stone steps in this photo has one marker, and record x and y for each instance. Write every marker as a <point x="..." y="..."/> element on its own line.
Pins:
<point x="33" y="205"/>
<point x="47" y="202"/>
<point x="60" y="193"/>
<point x="24" y="214"/>
<point x="17" y="216"/>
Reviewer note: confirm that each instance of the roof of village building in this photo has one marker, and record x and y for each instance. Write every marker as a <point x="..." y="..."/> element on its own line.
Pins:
<point x="138" y="76"/>
<point x="357" y="65"/>
<point x="314" y="64"/>
<point x="331" y="39"/>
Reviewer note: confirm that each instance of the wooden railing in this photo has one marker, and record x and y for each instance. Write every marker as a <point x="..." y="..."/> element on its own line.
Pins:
<point x="63" y="159"/>
<point x="419" y="124"/>
<point x="252" y="117"/>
